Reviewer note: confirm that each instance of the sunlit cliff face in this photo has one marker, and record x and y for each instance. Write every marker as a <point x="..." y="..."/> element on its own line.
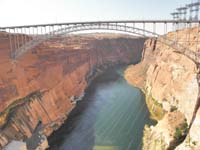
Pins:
<point x="170" y="82"/>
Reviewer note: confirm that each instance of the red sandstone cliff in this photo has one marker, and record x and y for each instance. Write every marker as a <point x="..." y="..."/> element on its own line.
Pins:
<point x="169" y="80"/>
<point x="44" y="82"/>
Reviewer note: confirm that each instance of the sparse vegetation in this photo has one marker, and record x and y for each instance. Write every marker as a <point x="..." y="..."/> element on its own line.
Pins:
<point x="194" y="142"/>
<point x="54" y="126"/>
<point x="179" y="135"/>
<point x="181" y="131"/>
<point x="173" y="108"/>
<point x="155" y="108"/>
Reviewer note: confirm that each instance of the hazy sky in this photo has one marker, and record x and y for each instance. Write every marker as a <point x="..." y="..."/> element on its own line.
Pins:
<point x="23" y="12"/>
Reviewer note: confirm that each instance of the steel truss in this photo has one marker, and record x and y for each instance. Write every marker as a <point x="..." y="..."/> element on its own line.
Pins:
<point x="24" y="38"/>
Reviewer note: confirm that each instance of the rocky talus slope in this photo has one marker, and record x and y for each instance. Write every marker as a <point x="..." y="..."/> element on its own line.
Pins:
<point x="170" y="81"/>
<point x="44" y="84"/>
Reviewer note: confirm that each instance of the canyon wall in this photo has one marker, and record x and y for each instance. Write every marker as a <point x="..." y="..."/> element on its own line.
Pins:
<point x="169" y="80"/>
<point x="44" y="84"/>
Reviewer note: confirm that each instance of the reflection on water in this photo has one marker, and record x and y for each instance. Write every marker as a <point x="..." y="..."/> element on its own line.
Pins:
<point x="111" y="116"/>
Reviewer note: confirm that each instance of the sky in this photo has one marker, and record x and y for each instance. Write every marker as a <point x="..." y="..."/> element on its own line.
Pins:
<point x="26" y="12"/>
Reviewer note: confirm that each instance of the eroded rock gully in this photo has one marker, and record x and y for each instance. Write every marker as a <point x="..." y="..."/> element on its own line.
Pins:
<point x="171" y="83"/>
<point x="44" y="84"/>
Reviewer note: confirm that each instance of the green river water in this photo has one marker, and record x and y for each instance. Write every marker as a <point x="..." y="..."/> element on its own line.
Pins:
<point x="111" y="116"/>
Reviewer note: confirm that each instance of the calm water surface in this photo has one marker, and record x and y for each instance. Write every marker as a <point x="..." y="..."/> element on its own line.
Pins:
<point x="111" y="116"/>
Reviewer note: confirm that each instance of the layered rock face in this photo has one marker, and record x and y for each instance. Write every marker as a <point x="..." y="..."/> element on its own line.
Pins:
<point x="169" y="80"/>
<point x="44" y="84"/>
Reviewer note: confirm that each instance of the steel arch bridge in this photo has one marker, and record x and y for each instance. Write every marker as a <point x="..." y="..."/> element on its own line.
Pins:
<point x="24" y="38"/>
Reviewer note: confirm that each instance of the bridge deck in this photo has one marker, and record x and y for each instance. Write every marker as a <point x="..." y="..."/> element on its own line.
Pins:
<point x="108" y="21"/>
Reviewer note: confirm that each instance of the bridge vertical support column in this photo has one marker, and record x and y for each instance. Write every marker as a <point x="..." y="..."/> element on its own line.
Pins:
<point x="45" y="30"/>
<point x="61" y="29"/>
<point x="133" y="26"/>
<point x="49" y="30"/>
<point x="125" y="26"/>
<point x="53" y="29"/>
<point x="18" y="40"/>
<point x="197" y="42"/>
<point x="15" y="42"/>
<point x="10" y="40"/>
<point x="165" y="30"/>
<point x="22" y="36"/>
<point x="176" y="33"/>
<point x="29" y="32"/>
<point x="186" y="35"/>
<point x="33" y="33"/>
<point x="173" y="27"/>
<point x="25" y="38"/>
<point x="154" y="27"/>
<point x="25" y="35"/>
<point x="36" y="34"/>
<point x="189" y="33"/>
<point x="66" y="27"/>
<point x="144" y="28"/>
<point x="37" y="31"/>
<point x="41" y="30"/>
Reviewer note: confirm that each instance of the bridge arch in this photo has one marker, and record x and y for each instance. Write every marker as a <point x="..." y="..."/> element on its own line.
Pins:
<point x="106" y="26"/>
<point x="179" y="48"/>
<point x="81" y="27"/>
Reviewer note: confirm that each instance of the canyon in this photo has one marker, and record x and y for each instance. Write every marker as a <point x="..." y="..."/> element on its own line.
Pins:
<point x="170" y="82"/>
<point x="43" y="85"/>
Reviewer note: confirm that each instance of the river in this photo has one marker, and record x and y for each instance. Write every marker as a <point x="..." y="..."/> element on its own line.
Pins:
<point x="111" y="116"/>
